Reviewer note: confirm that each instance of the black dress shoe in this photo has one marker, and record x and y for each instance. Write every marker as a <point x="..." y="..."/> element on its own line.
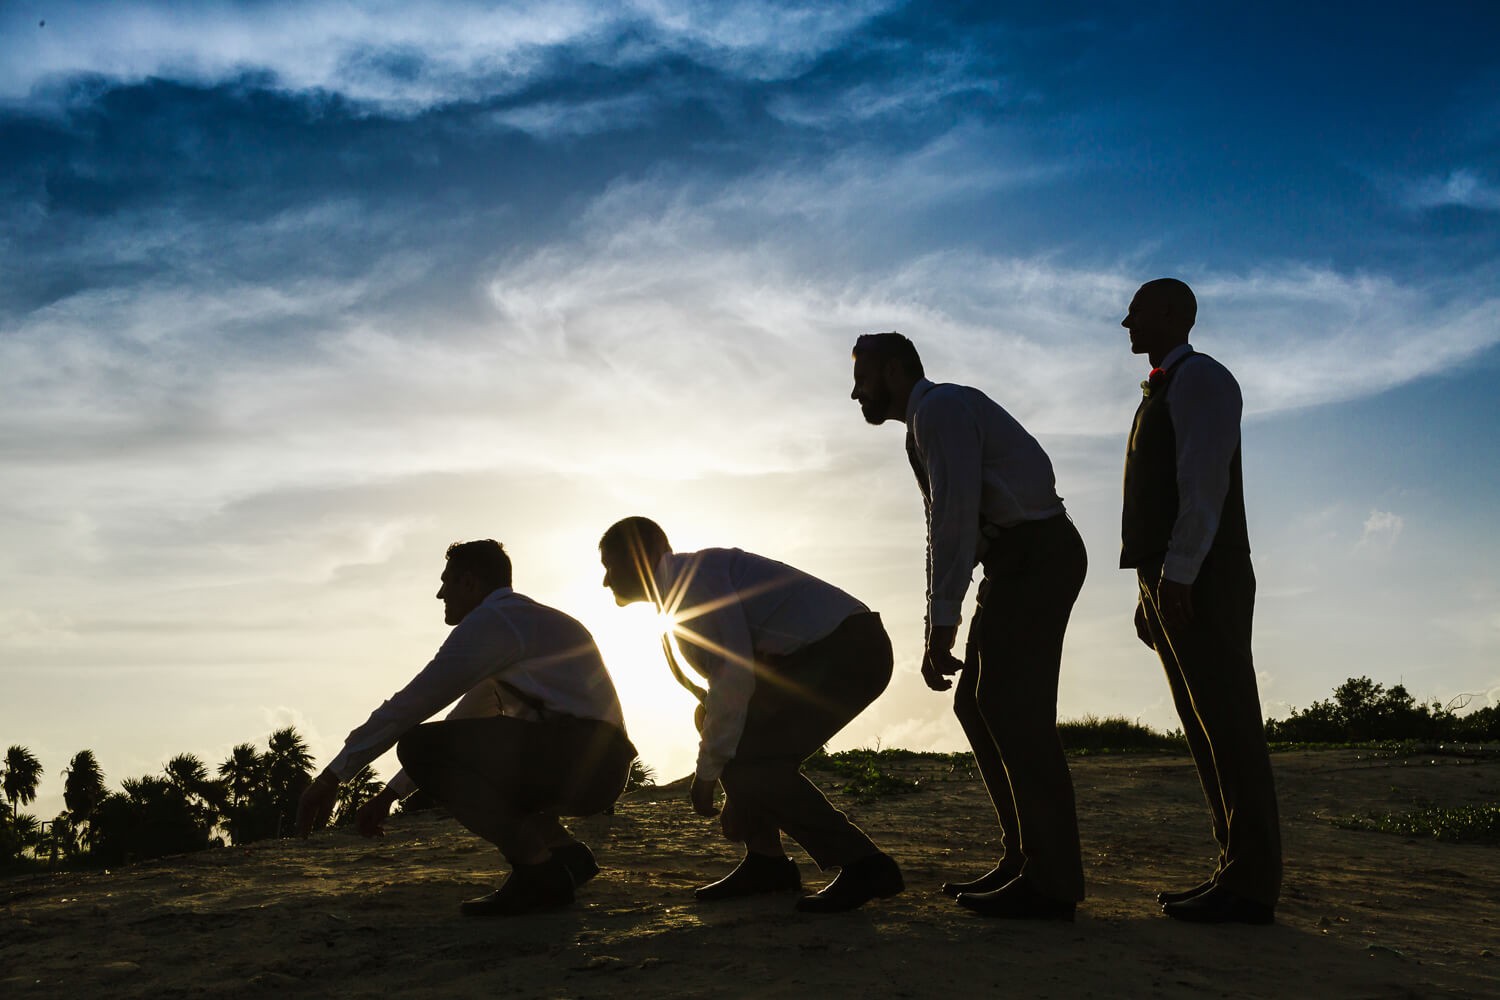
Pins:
<point x="858" y="882"/>
<point x="1220" y="906"/>
<point x="1167" y="896"/>
<point x="1018" y="900"/>
<point x="527" y="889"/>
<point x="579" y="861"/>
<point x="989" y="881"/>
<point x="757" y="873"/>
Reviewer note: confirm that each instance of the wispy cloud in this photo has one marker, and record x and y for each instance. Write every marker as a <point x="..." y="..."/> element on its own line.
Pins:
<point x="291" y="295"/>
<point x="408" y="55"/>
<point x="1463" y="188"/>
<point x="1381" y="530"/>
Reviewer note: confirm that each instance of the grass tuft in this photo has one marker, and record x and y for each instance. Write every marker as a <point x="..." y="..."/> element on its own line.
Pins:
<point x="1114" y="734"/>
<point x="1454" y="825"/>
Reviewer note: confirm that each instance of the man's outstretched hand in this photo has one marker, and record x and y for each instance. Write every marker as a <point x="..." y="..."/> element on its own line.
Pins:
<point x="316" y="804"/>
<point x="370" y="818"/>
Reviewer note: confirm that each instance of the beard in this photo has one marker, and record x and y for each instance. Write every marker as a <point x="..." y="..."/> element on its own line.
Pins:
<point x="875" y="407"/>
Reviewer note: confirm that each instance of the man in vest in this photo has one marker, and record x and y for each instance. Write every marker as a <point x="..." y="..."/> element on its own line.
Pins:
<point x="1185" y="535"/>
<point x="537" y="734"/>
<point x="991" y="500"/>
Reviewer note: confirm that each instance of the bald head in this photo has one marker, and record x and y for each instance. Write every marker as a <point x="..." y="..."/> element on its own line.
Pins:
<point x="1161" y="314"/>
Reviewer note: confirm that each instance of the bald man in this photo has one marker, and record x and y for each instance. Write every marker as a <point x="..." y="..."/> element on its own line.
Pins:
<point x="1184" y="533"/>
<point x="991" y="500"/>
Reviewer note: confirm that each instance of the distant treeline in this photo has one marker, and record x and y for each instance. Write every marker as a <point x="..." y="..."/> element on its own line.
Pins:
<point x="1362" y="711"/>
<point x="253" y="794"/>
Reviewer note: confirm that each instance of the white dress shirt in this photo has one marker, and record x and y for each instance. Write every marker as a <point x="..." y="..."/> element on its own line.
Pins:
<point x="509" y="656"/>
<point x="731" y="606"/>
<point x="1205" y="402"/>
<point x="982" y="468"/>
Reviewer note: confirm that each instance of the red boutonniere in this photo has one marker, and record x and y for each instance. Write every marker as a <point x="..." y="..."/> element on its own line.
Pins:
<point x="1151" y="380"/>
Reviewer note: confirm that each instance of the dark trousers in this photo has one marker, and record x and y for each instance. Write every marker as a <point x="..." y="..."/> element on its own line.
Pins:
<point x="508" y="780"/>
<point x="800" y="702"/>
<point x="1006" y="698"/>
<point x="1212" y="677"/>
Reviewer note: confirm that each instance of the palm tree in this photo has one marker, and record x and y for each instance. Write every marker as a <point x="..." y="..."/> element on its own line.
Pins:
<point x="354" y="793"/>
<point x="23" y="772"/>
<point x="288" y="772"/>
<point x="243" y="778"/>
<point x="203" y="795"/>
<point x="150" y="818"/>
<point x="19" y="832"/>
<point x="287" y="754"/>
<point x="642" y="775"/>
<point x="83" y="790"/>
<point x="241" y="772"/>
<point x="83" y="785"/>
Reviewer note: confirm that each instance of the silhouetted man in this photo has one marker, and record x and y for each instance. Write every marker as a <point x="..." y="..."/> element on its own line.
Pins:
<point x="990" y="498"/>
<point x="537" y="734"/>
<point x="1184" y="533"/>
<point x="789" y="660"/>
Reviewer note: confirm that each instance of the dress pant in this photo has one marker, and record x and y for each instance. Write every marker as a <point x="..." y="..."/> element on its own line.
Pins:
<point x="1006" y="698"/>
<point x="800" y="702"/>
<point x="504" y="777"/>
<point x="1212" y="677"/>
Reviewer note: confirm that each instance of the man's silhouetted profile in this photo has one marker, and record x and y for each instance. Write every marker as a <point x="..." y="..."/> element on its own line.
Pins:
<point x="1184" y="533"/>
<point x="990" y="498"/>
<point x="537" y="734"/>
<point x="789" y="660"/>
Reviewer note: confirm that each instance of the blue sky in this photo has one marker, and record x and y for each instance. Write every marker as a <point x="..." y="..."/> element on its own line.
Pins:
<point x="292" y="295"/>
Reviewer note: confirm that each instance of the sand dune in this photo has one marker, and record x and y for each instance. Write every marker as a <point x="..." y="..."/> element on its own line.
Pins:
<point x="1364" y="914"/>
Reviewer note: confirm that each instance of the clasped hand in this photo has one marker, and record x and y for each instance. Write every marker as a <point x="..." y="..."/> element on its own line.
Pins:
<point x="938" y="662"/>
<point x="701" y="795"/>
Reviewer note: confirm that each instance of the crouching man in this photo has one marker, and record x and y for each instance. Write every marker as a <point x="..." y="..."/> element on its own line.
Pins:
<point x="537" y="734"/>
<point x="789" y="661"/>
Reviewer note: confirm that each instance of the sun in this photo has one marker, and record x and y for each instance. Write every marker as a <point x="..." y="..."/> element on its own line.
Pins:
<point x="658" y="712"/>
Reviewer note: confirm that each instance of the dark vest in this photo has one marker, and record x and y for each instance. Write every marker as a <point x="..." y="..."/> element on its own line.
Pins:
<point x="1151" y="485"/>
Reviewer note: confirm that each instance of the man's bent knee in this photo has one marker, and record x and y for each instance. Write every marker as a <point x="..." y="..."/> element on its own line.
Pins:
<point x="421" y="748"/>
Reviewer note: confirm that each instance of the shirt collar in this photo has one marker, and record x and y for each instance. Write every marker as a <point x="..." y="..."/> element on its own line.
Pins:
<point x="1175" y="355"/>
<point x="913" y="401"/>
<point x="667" y="568"/>
<point x="499" y="594"/>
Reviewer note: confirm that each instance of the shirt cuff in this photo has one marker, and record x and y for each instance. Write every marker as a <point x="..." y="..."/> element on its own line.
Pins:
<point x="401" y="785"/>
<point x="709" y="768"/>
<point x="1181" y="569"/>
<point x="941" y="613"/>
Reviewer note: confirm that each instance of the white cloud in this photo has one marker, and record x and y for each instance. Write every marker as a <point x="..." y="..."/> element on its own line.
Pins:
<point x="407" y="54"/>
<point x="1462" y="187"/>
<point x="1381" y="529"/>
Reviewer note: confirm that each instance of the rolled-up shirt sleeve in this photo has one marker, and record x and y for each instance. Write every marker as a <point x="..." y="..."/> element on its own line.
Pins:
<point x="719" y="644"/>
<point x="948" y="442"/>
<point x="1205" y="404"/>
<point x="469" y="655"/>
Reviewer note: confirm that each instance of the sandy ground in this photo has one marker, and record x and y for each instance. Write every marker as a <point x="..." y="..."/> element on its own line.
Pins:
<point x="1363" y="914"/>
